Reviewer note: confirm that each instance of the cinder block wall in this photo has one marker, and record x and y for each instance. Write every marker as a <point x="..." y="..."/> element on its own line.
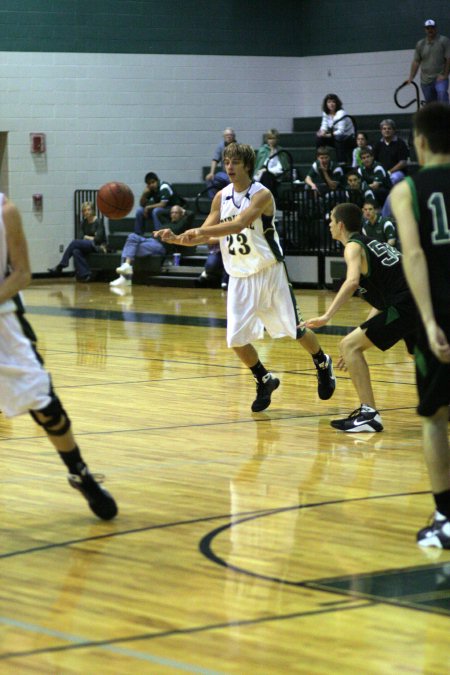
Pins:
<point x="110" y="115"/>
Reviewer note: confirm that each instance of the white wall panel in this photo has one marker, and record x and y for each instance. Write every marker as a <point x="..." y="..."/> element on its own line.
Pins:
<point x="117" y="116"/>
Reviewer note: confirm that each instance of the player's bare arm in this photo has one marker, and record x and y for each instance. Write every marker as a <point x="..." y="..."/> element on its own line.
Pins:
<point x="213" y="218"/>
<point x="261" y="204"/>
<point x="416" y="268"/>
<point x="353" y="254"/>
<point x="20" y="275"/>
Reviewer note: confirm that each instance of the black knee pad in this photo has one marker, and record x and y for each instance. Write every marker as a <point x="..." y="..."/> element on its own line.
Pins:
<point x="301" y="332"/>
<point x="56" y="414"/>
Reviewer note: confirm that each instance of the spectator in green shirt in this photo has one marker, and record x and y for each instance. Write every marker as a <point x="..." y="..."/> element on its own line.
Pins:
<point x="374" y="225"/>
<point x="155" y="202"/>
<point x="376" y="180"/>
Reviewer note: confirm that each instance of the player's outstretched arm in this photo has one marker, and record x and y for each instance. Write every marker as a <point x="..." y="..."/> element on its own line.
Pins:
<point x="352" y="255"/>
<point x="195" y="235"/>
<point x="16" y="243"/>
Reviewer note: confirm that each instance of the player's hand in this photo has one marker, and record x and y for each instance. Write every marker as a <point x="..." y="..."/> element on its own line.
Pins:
<point x="438" y="342"/>
<point x="165" y="235"/>
<point x="315" y="322"/>
<point x="189" y="235"/>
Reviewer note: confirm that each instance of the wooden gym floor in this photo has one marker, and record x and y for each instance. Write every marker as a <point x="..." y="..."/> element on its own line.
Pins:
<point x="266" y="543"/>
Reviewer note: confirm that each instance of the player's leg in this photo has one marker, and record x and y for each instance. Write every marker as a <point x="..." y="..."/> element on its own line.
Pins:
<point x="244" y="326"/>
<point x="437" y="457"/>
<point x="366" y="417"/>
<point x="433" y="385"/>
<point x="326" y="380"/>
<point x="25" y="386"/>
<point x="266" y="383"/>
<point x="437" y="452"/>
<point x="352" y="348"/>
<point x="57" y="425"/>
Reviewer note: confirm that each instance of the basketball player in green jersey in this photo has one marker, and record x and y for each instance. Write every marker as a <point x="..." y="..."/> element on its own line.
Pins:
<point x="421" y="206"/>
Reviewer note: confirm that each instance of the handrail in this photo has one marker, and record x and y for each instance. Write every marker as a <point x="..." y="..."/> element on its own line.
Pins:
<point x="201" y="197"/>
<point x="289" y="170"/>
<point x="415" y="100"/>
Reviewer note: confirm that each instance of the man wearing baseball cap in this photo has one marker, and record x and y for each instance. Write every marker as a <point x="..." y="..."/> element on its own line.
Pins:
<point x="432" y="55"/>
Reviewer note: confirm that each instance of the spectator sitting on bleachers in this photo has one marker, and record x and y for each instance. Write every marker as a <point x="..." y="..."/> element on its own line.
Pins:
<point x="336" y="129"/>
<point x="374" y="225"/>
<point x="362" y="141"/>
<point x="376" y="182"/>
<point x="391" y="152"/>
<point x="93" y="239"/>
<point x="271" y="162"/>
<point x="353" y="188"/>
<point x="154" y="204"/>
<point x="214" y="270"/>
<point x="323" y="175"/>
<point x="139" y="246"/>
<point x="217" y="181"/>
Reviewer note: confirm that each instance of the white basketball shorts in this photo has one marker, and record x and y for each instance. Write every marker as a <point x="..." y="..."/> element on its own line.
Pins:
<point x="261" y="300"/>
<point x="24" y="382"/>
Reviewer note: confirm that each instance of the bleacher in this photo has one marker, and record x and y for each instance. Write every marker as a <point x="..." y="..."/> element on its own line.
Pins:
<point x="301" y="142"/>
<point x="148" y="269"/>
<point x="301" y="223"/>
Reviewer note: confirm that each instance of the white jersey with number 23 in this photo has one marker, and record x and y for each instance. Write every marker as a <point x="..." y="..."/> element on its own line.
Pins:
<point x="257" y="246"/>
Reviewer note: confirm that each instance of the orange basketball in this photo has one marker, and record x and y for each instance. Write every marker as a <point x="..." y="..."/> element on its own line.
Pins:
<point x="115" y="200"/>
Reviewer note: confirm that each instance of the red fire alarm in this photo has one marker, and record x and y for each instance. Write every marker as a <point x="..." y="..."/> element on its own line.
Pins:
<point x="37" y="143"/>
<point x="38" y="202"/>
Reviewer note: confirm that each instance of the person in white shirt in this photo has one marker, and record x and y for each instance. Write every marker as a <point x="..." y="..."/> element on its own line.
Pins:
<point x="259" y="293"/>
<point x="337" y="129"/>
<point x="25" y="385"/>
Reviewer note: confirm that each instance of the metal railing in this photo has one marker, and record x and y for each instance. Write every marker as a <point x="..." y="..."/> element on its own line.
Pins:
<point x="304" y="228"/>
<point x="416" y="100"/>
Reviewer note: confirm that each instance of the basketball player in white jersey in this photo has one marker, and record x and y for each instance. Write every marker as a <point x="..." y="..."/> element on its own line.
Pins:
<point x="25" y="385"/>
<point x="259" y="293"/>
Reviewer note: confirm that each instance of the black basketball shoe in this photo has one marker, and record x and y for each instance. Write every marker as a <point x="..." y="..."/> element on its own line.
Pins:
<point x="361" y="419"/>
<point x="325" y="379"/>
<point x="264" y="391"/>
<point x="100" y="501"/>
<point x="436" y="534"/>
